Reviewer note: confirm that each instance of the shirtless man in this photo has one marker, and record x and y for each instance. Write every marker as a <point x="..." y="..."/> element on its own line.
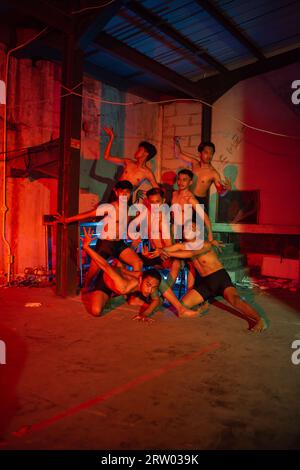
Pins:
<point x="116" y="247"/>
<point x="118" y="280"/>
<point x="212" y="280"/>
<point x="135" y="171"/>
<point x="156" y="196"/>
<point x="206" y="174"/>
<point x="184" y="196"/>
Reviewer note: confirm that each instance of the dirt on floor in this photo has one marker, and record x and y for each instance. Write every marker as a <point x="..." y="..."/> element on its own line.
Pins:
<point x="72" y="381"/>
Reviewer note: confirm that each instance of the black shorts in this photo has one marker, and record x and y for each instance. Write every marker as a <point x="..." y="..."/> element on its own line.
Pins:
<point x="98" y="283"/>
<point x="151" y="261"/>
<point x="110" y="248"/>
<point x="213" y="285"/>
<point x="203" y="200"/>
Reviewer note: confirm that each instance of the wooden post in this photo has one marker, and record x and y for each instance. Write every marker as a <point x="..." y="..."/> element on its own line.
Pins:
<point x="69" y="168"/>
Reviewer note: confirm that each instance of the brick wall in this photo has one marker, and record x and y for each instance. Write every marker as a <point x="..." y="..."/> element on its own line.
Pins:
<point x="143" y="122"/>
<point x="180" y="119"/>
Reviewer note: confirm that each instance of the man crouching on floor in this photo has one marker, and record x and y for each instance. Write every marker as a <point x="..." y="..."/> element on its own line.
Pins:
<point x="115" y="280"/>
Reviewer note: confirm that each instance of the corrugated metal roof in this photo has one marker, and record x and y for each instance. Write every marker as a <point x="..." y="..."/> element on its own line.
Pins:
<point x="196" y="24"/>
<point x="193" y="39"/>
<point x="137" y="33"/>
<point x="269" y="24"/>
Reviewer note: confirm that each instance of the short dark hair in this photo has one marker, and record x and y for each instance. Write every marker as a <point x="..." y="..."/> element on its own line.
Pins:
<point x="151" y="149"/>
<point x="123" y="184"/>
<point x="202" y="145"/>
<point x="187" y="172"/>
<point x="152" y="273"/>
<point x="154" y="191"/>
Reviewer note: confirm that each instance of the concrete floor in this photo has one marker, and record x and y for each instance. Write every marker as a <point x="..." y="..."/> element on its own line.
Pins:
<point x="201" y="383"/>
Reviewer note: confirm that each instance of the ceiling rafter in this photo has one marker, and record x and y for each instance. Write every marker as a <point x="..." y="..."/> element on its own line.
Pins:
<point x="88" y="28"/>
<point x="163" y="26"/>
<point x="150" y="66"/>
<point x="52" y="50"/>
<point x="220" y="84"/>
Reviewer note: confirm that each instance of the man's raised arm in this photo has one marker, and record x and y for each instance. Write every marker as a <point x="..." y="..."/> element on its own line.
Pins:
<point x="107" y="156"/>
<point x="180" y="154"/>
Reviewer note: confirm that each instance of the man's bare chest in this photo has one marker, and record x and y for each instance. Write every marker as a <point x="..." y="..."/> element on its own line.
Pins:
<point x="135" y="174"/>
<point x="203" y="176"/>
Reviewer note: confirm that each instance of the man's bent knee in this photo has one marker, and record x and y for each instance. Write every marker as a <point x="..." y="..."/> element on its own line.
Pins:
<point x="95" y="310"/>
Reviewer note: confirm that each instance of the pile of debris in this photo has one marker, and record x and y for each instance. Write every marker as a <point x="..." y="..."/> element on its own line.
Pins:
<point x="268" y="283"/>
<point x="32" y="277"/>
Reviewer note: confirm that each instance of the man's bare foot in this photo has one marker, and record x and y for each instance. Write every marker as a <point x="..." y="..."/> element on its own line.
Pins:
<point x="204" y="308"/>
<point x="259" y="326"/>
<point x="188" y="313"/>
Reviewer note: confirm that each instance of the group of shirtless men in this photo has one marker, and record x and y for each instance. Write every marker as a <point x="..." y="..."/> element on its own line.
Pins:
<point x="109" y="275"/>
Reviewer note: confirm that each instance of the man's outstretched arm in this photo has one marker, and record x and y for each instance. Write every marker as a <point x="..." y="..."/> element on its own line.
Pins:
<point x="155" y="302"/>
<point x="107" y="156"/>
<point x="183" y="253"/>
<point x="183" y="155"/>
<point x="76" y="218"/>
